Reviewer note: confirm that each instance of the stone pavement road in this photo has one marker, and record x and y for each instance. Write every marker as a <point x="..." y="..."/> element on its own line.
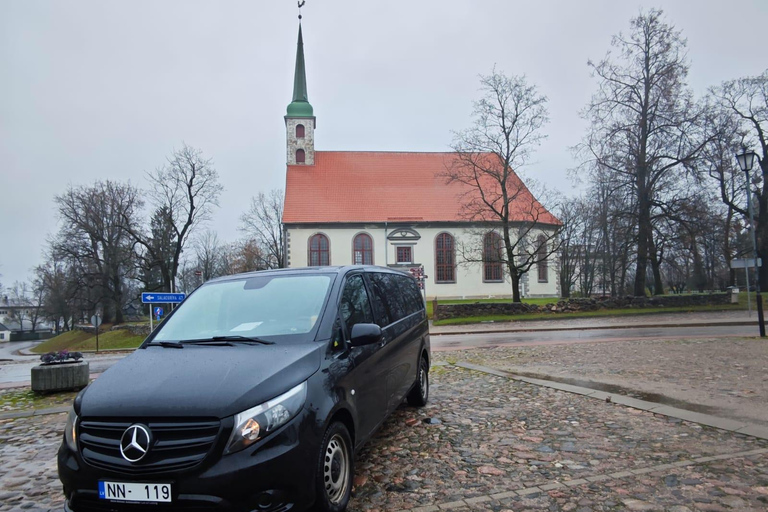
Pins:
<point x="493" y="444"/>
<point x="723" y="377"/>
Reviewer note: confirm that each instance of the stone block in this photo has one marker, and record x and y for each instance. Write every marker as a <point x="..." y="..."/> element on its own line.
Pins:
<point x="60" y="377"/>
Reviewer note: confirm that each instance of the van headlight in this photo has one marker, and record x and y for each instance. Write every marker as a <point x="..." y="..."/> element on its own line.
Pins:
<point x="259" y="421"/>
<point x="70" y="431"/>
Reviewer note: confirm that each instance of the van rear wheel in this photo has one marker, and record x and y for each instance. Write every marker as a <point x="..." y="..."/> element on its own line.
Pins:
<point x="333" y="480"/>
<point x="420" y="393"/>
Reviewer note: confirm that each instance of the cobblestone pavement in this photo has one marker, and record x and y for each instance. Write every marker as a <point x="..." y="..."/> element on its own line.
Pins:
<point x="728" y="377"/>
<point x="491" y="443"/>
<point x="28" y="478"/>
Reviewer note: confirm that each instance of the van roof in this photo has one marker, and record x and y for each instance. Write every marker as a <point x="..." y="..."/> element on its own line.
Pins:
<point x="311" y="270"/>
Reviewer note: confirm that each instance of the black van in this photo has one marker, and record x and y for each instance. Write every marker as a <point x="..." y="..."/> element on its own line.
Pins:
<point x="253" y="395"/>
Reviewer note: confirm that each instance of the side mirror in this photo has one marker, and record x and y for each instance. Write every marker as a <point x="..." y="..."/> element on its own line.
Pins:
<point x="365" y="334"/>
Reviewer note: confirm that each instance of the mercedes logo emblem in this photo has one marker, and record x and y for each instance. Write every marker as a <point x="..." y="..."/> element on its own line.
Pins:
<point x="135" y="442"/>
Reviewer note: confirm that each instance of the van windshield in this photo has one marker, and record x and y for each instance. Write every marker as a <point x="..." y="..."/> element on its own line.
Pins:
<point x="258" y="306"/>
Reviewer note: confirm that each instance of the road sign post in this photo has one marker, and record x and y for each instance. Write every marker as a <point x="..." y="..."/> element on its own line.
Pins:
<point x="746" y="264"/>
<point x="96" y="322"/>
<point x="160" y="298"/>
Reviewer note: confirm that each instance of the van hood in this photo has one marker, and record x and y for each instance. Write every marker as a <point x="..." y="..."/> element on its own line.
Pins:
<point x="198" y="380"/>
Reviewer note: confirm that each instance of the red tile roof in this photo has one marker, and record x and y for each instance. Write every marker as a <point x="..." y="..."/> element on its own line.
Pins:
<point x="352" y="186"/>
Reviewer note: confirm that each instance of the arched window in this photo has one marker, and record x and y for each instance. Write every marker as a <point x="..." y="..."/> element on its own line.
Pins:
<point x="492" y="257"/>
<point x="445" y="259"/>
<point x="541" y="257"/>
<point x="299" y="131"/>
<point x="319" y="255"/>
<point x="362" y="250"/>
<point x="300" y="158"/>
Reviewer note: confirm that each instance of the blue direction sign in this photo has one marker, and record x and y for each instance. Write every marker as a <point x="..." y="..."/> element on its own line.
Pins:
<point x="162" y="298"/>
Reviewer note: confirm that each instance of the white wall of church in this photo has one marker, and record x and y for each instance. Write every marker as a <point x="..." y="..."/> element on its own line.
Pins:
<point x="469" y="277"/>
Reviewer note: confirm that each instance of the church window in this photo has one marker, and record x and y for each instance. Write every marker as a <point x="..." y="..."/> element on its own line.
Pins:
<point x="299" y="131"/>
<point x="404" y="254"/>
<point x="319" y="255"/>
<point x="492" y="257"/>
<point x="445" y="258"/>
<point x="541" y="256"/>
<point x="363" y="250"/>
<point x="300" y="157"/>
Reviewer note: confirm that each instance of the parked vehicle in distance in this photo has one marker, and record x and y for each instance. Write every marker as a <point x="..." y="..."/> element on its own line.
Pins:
<point x="254" y="394"/>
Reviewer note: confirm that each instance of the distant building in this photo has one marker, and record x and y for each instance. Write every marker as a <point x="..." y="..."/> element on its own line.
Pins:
<point x="5" y="333"/>
<point x="390" y="209"/>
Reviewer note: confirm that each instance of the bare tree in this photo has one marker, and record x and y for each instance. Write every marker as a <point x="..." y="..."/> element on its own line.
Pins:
<point x="19" y="299"/>
<point x="487" y="157"/>
<point x="742" y="122"/>
<point x="645" y="127"/>
<point x="94" y="225"/>
<point x="184" y="193"/>
<point x="263" y="223"/>
<point x="208" y="256"/>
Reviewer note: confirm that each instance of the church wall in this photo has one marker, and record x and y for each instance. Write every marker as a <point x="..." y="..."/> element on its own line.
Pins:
<point x="469" y="277"/>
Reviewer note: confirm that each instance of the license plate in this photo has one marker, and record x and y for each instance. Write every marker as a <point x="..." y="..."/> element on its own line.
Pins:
<point x="133" y="491"/>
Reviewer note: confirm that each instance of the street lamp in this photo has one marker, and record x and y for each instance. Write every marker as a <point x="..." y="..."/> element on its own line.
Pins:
<point x="746" y="160"/>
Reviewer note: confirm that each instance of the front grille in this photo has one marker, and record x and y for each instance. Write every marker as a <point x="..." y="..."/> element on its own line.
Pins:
<point x="176" y="445"/>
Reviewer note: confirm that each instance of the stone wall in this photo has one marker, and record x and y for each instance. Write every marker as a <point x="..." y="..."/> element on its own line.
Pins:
<point x="141" y="329"/>
<point x="445" y="311"/>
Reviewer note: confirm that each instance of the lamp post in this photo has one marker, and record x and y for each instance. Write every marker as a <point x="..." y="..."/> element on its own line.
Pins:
<point x="746" y="160"/>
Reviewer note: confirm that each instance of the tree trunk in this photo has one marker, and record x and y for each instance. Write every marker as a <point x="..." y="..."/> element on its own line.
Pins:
<point x="644" y="234"/>
<point x="761" y="231"/>
<point x="515" y="287"/>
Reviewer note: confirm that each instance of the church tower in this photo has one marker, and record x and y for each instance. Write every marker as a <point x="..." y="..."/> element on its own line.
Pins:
<point x="300" y="119"/>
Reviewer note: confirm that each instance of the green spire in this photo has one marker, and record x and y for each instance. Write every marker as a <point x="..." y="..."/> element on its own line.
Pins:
<point x="300" y="106"/>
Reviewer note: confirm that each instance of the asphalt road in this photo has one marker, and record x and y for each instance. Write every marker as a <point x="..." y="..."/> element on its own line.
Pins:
<point x="18" y="371"/>
<point x="463" y="341"/>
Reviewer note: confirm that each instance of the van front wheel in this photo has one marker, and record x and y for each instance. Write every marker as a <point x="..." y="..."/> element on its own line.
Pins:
<point x="334" y="470"/>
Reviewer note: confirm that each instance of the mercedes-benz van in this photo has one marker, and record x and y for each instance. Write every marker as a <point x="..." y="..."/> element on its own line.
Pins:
<point x="253" y="395"/>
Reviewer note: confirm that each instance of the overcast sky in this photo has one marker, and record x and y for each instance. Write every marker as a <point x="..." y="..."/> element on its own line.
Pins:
<point x="107" y="89"/>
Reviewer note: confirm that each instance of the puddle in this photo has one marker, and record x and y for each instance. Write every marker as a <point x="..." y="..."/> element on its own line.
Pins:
<point x="620" y="390"/>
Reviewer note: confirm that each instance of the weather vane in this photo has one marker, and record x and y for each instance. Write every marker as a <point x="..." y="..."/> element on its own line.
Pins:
<point x="301" y="4"/>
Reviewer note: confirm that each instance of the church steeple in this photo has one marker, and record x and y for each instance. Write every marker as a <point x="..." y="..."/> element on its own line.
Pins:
<point x="300" y="106"/>
<point x="300" y="118"/>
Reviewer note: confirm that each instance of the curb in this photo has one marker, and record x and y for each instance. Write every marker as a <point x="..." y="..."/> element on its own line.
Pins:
<point x="593" y="328"/>
<point x="34" y="412"/>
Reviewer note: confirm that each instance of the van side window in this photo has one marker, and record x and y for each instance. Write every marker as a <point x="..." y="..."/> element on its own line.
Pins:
<point x="411" y="294"/>
<point x="389" y="302"/>
<point x="355" y="308"/>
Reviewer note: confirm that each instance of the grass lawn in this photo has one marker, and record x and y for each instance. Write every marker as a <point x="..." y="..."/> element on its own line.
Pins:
<point x="82" y="341"/>
<point x="15" y="400"/>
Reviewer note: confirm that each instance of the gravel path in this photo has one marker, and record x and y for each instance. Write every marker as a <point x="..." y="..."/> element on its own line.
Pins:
<point x="492" y="444"/>
<point x="723" y="377"/>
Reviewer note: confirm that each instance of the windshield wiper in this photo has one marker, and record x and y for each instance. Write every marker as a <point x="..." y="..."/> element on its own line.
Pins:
<point x="249" y="340"/>
<point x="166" y="344"/>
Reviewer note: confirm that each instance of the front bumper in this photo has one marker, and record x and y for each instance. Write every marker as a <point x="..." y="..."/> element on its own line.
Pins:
<point x="276" y="474"/>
